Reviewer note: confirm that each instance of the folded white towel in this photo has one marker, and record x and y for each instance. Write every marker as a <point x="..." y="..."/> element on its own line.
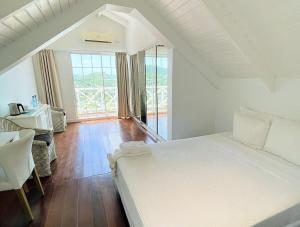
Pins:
<point x="127" y="149"/>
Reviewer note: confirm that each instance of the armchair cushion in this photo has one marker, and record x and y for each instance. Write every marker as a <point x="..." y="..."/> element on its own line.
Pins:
<point x="46" y="137"/>
<point x="57" y="109"/>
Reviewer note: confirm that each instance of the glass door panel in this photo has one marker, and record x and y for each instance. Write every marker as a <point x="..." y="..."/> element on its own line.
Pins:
<point x="150" y="67"/>
<point x="162" y="91"/>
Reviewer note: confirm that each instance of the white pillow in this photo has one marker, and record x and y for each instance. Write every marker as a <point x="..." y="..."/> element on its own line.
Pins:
<point x="284" y="139"/>
<point x="250" y="131"/>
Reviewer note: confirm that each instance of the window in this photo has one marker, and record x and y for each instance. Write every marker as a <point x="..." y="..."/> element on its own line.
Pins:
<point x="95" y="82"/>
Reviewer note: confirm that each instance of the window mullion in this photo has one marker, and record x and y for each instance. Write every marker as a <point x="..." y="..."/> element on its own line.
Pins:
<point x="103" y="85"/>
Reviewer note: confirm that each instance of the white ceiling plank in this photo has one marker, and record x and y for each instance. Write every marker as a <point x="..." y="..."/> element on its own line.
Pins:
<point x="163" y="2"/>
<point x="6" y="32"/>
<point x="45" y="8"/>
<point x="51" y="30"/>
<point x="8" y="7"/>
<point x="24" y="18"/>
<point x="13" y="31"/>
<point x="5" y="40"/>
<point x="208" y="38"/>
<point x="21" y="22"/>
<point x="14" y="24"/>
<point x="40" y="11"/>
<point x="64" y="4"/>
<point x="243" y="40"/>
<point x="55" y="5"/>
<point x="175" y="5"/>
<point x="181" y="45"/>
<point x="31" y="17"/>
<point x="35" y="14"/>
<point x="185" y="9"/>
<point x="50" y="7"/>
<point x="60" y="5"/>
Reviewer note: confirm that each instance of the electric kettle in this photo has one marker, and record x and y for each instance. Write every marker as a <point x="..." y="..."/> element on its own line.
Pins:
<point x="16" y="109"/>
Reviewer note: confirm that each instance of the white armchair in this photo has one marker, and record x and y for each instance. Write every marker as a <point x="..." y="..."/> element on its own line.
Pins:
<point x="16" y="166"/>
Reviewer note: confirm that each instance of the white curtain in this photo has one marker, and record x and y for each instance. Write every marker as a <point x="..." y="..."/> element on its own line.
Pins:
<point x="135" y="90"/>
<point x="46" y="76"/>
<point x="123" y="85"/>
<point x="142" y="85"/>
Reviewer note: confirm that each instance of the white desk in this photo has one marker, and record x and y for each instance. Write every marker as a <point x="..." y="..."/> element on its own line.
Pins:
<point x="36" y="118"/>
<point x="7" y="137"/>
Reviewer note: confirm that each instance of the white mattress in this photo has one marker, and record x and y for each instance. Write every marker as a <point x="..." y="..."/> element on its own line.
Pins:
<point x="205" y="181"/>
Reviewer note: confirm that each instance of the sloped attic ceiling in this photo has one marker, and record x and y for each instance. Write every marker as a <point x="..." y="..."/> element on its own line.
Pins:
<point x="28" y="17"/>
<point x="70" y="17"/>
<point x="271" y="26"/>
<point x="205" y="34"/>
<point x="227" y="38"/>
<point x="249" y="38"/>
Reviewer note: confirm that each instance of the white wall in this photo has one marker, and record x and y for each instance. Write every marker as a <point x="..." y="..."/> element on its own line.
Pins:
<point x="72" y="40"/>
<point x="17" y="85"/>
<point x="254" y="94"/>
<point x="138" y="37"/>
<point x="193" y="100"/>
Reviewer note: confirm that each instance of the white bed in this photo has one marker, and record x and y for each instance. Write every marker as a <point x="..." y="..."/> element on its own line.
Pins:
<point x="205" y="181"/>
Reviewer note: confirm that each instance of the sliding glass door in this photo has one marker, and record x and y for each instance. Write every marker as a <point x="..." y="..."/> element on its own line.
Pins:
<point x="150" y="64"/>
<point x="162" y="91"/>
<point x="156" y="65"/>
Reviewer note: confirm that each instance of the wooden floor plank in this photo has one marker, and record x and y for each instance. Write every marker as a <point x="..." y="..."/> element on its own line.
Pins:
<point x="79" y="193"/>
<point x="85" y="208"/>
<point x="70" y="205"/>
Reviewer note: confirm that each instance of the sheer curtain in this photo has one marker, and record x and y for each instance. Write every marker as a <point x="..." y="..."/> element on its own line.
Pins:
<point x="123" y="85"/>
<point x="47" y="78"/>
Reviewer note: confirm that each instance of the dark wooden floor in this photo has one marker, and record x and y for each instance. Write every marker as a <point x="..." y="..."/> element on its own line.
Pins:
<point x="81" y="191"/>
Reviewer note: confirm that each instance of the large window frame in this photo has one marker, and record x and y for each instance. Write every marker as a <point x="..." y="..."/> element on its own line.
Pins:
<point x="95" y="83"/>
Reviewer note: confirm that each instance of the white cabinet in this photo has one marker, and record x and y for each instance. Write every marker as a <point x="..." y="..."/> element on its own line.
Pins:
<point x="36" y="118"/>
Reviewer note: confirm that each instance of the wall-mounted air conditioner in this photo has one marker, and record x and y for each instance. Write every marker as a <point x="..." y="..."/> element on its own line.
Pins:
<point x="97" y="37"/>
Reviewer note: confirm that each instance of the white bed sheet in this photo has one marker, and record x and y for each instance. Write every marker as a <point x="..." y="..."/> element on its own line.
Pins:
<point x="205" y="181"/>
